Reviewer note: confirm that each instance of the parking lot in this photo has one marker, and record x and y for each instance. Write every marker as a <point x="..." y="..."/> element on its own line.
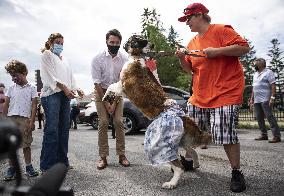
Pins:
<point x="262" y="164"/>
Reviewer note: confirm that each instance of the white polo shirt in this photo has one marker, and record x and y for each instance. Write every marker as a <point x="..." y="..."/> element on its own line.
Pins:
<point x="21" y="99"/>
<point x="262" y="85"/>
<point x="105" y="69"/>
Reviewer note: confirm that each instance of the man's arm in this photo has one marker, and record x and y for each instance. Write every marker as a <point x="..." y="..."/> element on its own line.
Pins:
<point x="33" y="112"/>
<point x="273" y="92"/>
<point x="99" y="90"/>
<point x="233" y="50"/>
<point x="6" y="106"/>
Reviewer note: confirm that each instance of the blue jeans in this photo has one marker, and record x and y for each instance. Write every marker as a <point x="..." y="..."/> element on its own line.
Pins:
<point x="56" y="130"/>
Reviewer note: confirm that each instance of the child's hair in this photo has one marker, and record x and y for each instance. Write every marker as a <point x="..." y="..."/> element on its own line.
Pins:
<point x="16" y="66"/>
<point x="50" y="39"/>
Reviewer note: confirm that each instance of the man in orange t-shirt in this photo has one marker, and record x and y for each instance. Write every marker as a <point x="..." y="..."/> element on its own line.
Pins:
<point x="218" y="82"/>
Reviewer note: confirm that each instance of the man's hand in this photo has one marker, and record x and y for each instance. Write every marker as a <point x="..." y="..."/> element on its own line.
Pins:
<point x="271" y="102"/>
<point x="212" y="52"/>
<point x="180" y="52"/>
<point x="250" y="103"/>
<point x="110" y="108"/>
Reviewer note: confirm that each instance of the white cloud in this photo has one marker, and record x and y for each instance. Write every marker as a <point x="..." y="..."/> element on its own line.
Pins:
<point x="26" y="24"/>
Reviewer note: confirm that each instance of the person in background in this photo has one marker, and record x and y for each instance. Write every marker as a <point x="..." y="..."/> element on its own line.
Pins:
<point x="40" y="116"/>
<point x="58" y="88"/>
<point x="262" y="98"/>
<point x="20" y="107"/>
<point x="218" y="81"/>
<point x="75" y="111"/>
<point x="2" y="97"/>
<point x="106" y="68"/>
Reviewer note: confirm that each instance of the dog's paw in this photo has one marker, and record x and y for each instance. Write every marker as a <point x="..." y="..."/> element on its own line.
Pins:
<point x="196" y="165"/>
<point x="109" y="97"/>
<point x="187" y="164"/>
<point x="169" y="185"/>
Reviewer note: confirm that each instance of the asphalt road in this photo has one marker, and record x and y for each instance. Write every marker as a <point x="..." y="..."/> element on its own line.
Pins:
<point x="261" y="162"/>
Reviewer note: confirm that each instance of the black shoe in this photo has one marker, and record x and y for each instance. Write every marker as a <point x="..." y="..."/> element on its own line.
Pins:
<point x="238" y="183"/>
<point x="188" y="165"/>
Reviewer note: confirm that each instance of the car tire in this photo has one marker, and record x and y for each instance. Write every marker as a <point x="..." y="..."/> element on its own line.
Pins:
<point x="94" y="121"/>
<point x="129" y="124"/>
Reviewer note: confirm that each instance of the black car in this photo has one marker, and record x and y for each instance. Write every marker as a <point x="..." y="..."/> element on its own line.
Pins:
<point x="133" y="119"/>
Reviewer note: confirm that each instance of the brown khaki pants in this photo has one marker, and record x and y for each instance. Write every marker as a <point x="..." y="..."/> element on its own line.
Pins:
<point x="103" y="127"/>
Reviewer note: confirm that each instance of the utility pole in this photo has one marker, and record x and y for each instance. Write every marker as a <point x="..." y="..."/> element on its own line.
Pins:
<point x="38" y="81"/>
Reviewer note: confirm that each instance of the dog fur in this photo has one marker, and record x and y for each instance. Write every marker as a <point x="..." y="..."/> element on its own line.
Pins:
<point x="144" y="91"/>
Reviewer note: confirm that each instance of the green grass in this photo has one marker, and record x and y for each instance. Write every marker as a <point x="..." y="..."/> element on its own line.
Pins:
<point x="254" y="125"/>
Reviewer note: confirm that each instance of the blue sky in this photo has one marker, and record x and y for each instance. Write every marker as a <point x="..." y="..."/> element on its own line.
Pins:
<point x="26" y="24"/>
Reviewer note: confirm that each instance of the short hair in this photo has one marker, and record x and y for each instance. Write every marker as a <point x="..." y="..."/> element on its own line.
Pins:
<point x="114" y="32"/>
<point x="50" y="39"/>
<point x="262" y="61"/>
<point x="16" y="66"/>
<point x="206" y="17"/>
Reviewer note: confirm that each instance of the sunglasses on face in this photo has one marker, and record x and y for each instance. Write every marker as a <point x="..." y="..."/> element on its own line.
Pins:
<point x="188" y="9"/>
<point x="190" y="17"/>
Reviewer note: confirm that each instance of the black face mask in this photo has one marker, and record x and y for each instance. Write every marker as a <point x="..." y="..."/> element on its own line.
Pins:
<point x="113" y="49"/>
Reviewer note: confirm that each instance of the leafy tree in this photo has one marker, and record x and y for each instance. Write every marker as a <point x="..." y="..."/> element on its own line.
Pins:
<point x="247" y="61"/>
<point x="173" y="37"/>
<point x="277" y="66"/>
<point x="169" y="70"/>
<point x="276" y="63"/>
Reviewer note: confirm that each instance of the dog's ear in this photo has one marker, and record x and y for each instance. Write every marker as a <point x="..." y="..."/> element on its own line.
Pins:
<point x="125" y="46"/>
<point x="136" y="42"/>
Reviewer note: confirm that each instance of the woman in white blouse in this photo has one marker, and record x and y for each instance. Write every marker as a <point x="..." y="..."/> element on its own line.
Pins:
<point x="58" y="88"/>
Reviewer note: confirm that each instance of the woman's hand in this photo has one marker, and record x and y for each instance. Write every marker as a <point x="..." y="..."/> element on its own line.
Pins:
<point x="69" y="93"/>
<point x="80" y="93"/>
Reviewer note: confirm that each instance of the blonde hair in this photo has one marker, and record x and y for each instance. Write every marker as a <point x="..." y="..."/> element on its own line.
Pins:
<point x="50" y="39"/>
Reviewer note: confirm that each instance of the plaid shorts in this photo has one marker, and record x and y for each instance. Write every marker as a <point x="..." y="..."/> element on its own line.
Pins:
<point x="219" y="121"/>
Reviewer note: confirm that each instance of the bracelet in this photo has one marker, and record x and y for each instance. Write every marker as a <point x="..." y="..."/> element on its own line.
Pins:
<point x="272" y="97"/>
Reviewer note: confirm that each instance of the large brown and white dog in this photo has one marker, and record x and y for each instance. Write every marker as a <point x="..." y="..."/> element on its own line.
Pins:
<point x="145" y="92"/>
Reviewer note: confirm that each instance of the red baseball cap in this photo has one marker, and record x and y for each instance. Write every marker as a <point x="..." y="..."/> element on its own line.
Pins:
<point x="194" y="8"/>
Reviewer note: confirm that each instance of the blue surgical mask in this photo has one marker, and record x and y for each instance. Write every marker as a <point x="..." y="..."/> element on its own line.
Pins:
<point x="57" y="49"/>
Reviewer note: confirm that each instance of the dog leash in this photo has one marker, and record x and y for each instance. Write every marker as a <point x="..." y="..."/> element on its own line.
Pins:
<point x="193" y="53"/>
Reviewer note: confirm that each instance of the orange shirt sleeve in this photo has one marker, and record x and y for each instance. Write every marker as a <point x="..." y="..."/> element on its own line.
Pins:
<point x="231" y="37"/>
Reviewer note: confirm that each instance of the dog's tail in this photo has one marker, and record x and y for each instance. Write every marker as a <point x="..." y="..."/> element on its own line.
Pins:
<point x="193" y="136"/>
